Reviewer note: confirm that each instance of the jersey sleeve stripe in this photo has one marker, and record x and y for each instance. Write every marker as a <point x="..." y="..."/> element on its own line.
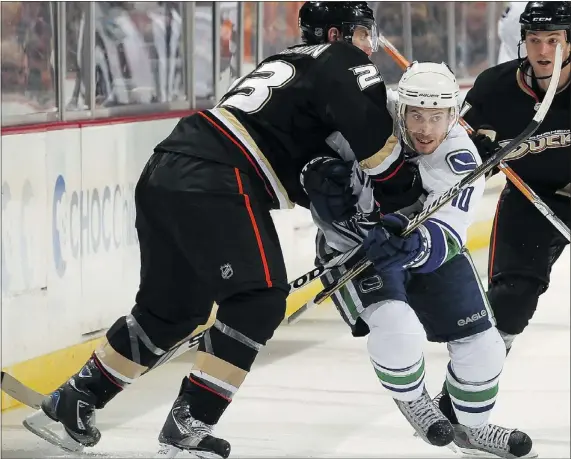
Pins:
<point x="240" y="147"/>
<point x="450" y="230"/>
<point x="438" y="248"/>
<point x="383" y="159"/>
<point x="252" y="151"/>
<point x="392" y="174"/>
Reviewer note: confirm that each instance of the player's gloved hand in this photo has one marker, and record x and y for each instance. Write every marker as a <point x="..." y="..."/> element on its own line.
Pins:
<point x="387" y="250"/>
<point x="401" y="191"/>
<point x="484" y="143"/>
<point x="327" y="182"/>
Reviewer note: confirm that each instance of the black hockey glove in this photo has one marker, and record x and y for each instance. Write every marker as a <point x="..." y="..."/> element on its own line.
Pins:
<point x="485" y="145"/>
<point x="327" y="182"/>
<point x="400" y="191"/>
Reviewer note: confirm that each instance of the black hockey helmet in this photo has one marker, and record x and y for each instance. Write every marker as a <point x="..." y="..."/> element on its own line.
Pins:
<point x="316" y="18"/>
<point x="546" y="16"/>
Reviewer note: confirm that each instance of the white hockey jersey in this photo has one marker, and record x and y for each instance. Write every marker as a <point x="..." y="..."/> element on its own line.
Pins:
<point x="447" y="228"/>
<point x="509" y="31"/>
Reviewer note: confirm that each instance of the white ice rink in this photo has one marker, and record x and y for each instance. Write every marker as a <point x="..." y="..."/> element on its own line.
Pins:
<point x="313" y="393"/>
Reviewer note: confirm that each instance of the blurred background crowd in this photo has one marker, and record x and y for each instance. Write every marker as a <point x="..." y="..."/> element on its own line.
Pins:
<point x="69" y="60"/>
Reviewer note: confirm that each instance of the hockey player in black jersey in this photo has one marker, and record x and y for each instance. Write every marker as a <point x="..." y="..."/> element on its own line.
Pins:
<point x="206" y="235"/>
<point x="524" y="245"/>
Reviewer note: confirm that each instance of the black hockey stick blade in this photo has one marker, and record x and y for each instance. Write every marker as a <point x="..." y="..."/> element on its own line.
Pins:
<point x="481" y="170"/>
<point x="20" y="391"/>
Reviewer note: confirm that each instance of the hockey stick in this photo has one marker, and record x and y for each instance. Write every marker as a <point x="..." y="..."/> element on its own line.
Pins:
<point x="33" y="399"/>
<point x="20" y="391"/>
<point x="403" y="63"/>
<point x="317" y="272"/>
<point x="527" y="191"/>
<point x="446" y="197"/>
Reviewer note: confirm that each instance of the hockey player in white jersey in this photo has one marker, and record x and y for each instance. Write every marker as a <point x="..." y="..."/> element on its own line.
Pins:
<point x="424" y="285"/>
<point x="509" y="31"/>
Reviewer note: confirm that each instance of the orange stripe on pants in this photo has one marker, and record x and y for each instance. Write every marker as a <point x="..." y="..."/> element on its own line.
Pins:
<point x="255" y="226"/>
<point x="493" y="242"/>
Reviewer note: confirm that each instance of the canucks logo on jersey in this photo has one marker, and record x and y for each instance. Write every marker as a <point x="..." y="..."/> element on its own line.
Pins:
<point x="461" y="161"/>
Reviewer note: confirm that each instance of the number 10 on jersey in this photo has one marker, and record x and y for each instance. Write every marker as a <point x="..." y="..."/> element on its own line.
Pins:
<point x="462" y="200"/>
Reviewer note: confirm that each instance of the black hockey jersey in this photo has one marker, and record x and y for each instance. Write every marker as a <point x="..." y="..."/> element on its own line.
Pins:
<point x="505" y="98"/>
<point x="275" y="119"/>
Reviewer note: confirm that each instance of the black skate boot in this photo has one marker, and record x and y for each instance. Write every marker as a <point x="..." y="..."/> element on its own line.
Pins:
<point x="430" y="424"/>
<point x="73" y="405"/>
<point x="181" y="432"/>
<point x="491" y="439"/>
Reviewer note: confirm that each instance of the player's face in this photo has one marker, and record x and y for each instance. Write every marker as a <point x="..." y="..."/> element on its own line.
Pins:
<point x="426" y="127"/>
<point x="363" y="39"/>
<point x="541" y="46"/>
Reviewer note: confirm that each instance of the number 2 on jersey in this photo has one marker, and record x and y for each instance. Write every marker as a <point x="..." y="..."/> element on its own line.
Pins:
<point x="255" y="89"/>
<point x="367" y="75"/>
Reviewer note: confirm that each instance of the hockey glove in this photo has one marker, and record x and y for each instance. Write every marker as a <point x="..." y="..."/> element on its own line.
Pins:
<point x="327" y="182"/>
<point x="485" y="143"/>
<point x="387" y="250"/>
<point x="404" y="191"/>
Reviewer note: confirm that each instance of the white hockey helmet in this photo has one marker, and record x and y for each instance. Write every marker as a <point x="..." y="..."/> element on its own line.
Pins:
<point x="427" y="85"/>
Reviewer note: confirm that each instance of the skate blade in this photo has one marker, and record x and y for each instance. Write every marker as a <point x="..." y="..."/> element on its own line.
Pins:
<point x="46" y="428"/>
<point x="531" y="455"/>
<point x="170" y="451"/>
<point x="469" y="452"/>
<point x="205" y="455"/>
<point x="424" y="439"/>
<point x="167" y="451"/>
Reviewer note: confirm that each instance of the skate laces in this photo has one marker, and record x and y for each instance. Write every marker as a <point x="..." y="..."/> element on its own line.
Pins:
<point x="493" y="436"/>
<point x="436" y="400"/>
<point x="188" y="424"/>
<point x="425" y="412"/>
<point x="200" y="429"/>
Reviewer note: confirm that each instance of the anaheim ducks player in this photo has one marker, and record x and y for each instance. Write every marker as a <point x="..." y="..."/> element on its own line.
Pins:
<point x="524" y="245"/>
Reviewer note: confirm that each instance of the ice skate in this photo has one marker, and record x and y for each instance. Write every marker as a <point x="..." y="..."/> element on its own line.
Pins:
<point x="493" y="440"/>
<point x="67" y="416"/>
<point x="182" y="432"/>
<point x="430" y="424"/>
<point x="489" y="440"/>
